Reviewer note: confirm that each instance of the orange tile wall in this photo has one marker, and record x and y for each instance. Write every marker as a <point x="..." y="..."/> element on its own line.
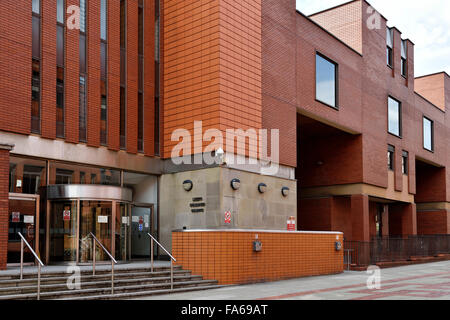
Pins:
<point x="229" y="257"/>
<point x="212" y="66"/>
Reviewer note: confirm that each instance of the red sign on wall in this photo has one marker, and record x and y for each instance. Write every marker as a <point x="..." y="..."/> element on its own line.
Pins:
<point x="66" y="215"/>
<point x="291" y="224"/>
<point x="228" y="217"/>
<point x="15" y="217"/>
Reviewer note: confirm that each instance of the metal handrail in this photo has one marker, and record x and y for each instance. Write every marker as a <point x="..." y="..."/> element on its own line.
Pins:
<point x="95" y="241"/>
<point x="40" y="264"/>
<point x="172" y="259"/>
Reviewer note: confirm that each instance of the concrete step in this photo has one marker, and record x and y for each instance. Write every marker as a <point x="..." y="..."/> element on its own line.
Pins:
<point x="62" y="278"/>
<point x="119" y="291"/>
<point x="140" y="294"/>
<point x="96" y="284"/>
<point x="52" y="274"/>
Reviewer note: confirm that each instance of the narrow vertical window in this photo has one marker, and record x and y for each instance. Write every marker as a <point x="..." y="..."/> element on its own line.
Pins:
<point x="103" y="72"/>
<point x="389" y="46"/>
<point x="326" y="81"/>
<point x="391" y="157"/>
<point x="141" y="77"/>
<point x="394" y="117"/>
<point x="122" y="129"/>
<point x="36" y="68"/>
<point x="83" y="75"/>
<point x="404" y="60"/>
<point x="428" y="134"/>
<point x="405" y="163"/>
<point x="157" y="77"/>
<point x="60" y="65"/>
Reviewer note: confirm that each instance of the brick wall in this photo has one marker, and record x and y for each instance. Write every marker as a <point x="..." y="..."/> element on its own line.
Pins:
<point x="4" y="212"/>
<point x="229" y="257"/>
<point x="433" y="222"/>
<point x="432" y="88"/>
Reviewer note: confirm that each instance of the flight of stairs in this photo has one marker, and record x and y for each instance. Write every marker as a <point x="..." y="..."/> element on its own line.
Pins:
<point x="128" y="284"/>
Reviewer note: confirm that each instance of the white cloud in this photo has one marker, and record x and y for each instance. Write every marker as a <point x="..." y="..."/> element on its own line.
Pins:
<point x="426" y="23"/>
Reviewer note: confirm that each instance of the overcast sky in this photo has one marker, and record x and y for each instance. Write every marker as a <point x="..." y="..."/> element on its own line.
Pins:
<point x="426" y="23"/>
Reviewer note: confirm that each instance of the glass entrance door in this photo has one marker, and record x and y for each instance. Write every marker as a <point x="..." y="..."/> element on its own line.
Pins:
<point x="23" y="218"/>
<point x="141" y="224"/>
<point x="95" y="217"/>
<point x="63" y="231"/>
<point x="122" y="232"/>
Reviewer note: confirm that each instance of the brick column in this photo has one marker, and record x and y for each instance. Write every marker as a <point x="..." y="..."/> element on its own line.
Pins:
<point x="409" y="220"/>
<point x="360" y="218"/>
<point x="4" y="203"/>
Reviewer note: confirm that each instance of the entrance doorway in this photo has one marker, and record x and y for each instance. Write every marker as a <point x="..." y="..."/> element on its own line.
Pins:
<point x="143" y="222"/>
<point x="23" y="218"/>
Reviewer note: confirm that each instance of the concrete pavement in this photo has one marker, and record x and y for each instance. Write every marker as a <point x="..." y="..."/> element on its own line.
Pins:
<point x="416" y="282"/>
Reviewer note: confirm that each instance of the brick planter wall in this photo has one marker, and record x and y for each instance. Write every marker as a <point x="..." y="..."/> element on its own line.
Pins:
<point x="4" y="185"/>
<point x="228" y="256"/>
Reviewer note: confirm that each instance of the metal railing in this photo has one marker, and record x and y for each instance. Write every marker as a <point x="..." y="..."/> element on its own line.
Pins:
<point x="39" y="263"/>
<point x="95" y="241"/>
<point x="392" y="249"/>
<point x="172" y="259"/>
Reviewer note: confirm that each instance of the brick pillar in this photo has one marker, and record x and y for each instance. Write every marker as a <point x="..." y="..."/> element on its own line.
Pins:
<point x="360" y="218"/>
<point x="385" y="219"/>
<point x="409" y="220"/>
<point x="4" y="203"/>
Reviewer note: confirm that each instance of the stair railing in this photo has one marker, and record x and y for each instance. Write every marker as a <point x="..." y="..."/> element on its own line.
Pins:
<point x="39" y="262"/>
<point x="172" y="259"/>
<point x="95" y="241"/>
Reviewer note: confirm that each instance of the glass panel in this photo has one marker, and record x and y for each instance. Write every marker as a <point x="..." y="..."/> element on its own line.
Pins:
<point x="82" y="124"/>
<point x="428" y="134"/>
<point x="325" y="81"/>
<point x="394" y="117"/>
<point x="67" y="173"/>
<point x="390" y="37"/>
<point x="404" y="49"/>
<point x="140" y="226"/>
<point x="103" y="20"/>
<point x="36" y="6"/>
<point x="82" y="53"/>
<point x="83" y="16"/>
<point x="103" y="60"/>
<point x="27" y="175"/>
<point x="95" y="217"/>
<point x="63" y="231"/>
<point x="122" y="231"/>
<point x="36" y="42"/>
<point x="22" y="218"/>
<point x="60" y="11"/>
<point x="60" y="46"/>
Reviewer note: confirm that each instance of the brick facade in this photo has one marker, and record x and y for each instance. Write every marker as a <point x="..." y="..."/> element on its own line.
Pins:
<point x="4" y="205"/>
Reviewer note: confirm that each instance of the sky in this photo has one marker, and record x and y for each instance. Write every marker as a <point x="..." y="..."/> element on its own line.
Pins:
<point x="425" y="23"/>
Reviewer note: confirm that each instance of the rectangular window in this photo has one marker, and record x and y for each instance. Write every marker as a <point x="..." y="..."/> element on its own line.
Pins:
<point x="83" y="75"/>
<point x="326" y="81"/>
<point x="405" y="163"/>
<point x="404" y="60"/>
<point x="389" y="46"/>
<point x="36" y="68"/>
<point x="123" y="19"/>
<point x="103" y="73"/>
<point x="60" y="65"/>
<point x="394" y="117"/>
<point x="391" y="157"/>
<point x="428" y="134"/>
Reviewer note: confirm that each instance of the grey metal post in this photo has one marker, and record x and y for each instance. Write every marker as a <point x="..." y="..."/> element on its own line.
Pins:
<point x="21" y="259"/>
<point x="93" y="256"/>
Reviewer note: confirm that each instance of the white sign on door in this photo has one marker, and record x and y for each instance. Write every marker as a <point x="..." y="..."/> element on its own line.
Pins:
<point x="102" y="219"/>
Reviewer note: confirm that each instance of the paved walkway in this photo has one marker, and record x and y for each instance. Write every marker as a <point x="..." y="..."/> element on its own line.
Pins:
<point x="417" y="282"/>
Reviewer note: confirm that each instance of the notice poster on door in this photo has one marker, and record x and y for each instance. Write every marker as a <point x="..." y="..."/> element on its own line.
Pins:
<point x="28" y="219"/>
<point x="66" y="215"/>
<point x="102" y="219"/>
<point x="15" y="217"/>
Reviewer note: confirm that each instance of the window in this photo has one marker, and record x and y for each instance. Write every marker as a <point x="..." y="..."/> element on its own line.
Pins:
<point x="60" y="65"/>
<point x="391" y="157"/>
<point x="428" y="134"/>
<point x="123" y="56"/>
<point x="394" y="117"/>
<point x="326" y="81"/>
<point x="141" y="77"/>
<point x="405" y="163"/>
<point x="404" y="64"/>
<point x="389" y="46"/>
<point x="103" y="73"/>
<point x="36" y="68"/>
<point x="83" y="75"/>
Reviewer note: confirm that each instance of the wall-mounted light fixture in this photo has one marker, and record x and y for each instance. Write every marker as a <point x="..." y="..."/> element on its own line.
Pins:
<point x="188" y="185"/>
<point x="235" y="184"/>
<point x="285" y="191"/>
<point x="262" y="188"/>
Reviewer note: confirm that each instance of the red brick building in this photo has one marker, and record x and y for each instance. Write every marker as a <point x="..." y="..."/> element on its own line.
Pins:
<point x="89" y="103"/>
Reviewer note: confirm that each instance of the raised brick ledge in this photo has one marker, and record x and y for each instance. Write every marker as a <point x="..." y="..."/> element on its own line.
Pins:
<point x="6" y="146"/>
